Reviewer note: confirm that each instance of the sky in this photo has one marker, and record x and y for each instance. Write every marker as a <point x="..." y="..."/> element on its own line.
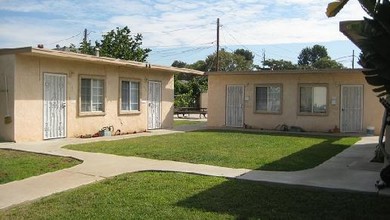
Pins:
<point x="184" y="30"/>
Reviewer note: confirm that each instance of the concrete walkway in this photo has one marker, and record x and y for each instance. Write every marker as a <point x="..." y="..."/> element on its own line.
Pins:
<point x="349" y="170"/>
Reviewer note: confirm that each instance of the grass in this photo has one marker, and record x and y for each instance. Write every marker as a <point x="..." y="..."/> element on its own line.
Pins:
<point x="158" y="195"/>
<point x="234" y="149"/>
<point x="185" y="122"/>
<point x="17" y="165"/>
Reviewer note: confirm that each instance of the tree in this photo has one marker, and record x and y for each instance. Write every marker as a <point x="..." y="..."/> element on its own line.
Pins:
<point x="279" y="64"/>
<point x="86" y="47"/>
<point x="229" y="62"/>
<point x="179" y="64"/>
<point x="372" y="36"/>
<point x="188" y="87"/>
<point x="198" y="65"/>
<point x="317" y="57"/>
<point x="310" y="55"/>
<point x="304" y="57"/>
<point x="187" y="92"/>
<point x="121" y="44"/>
<point x="318" y="52"/>
<point x="72" y="48"/>
<point x="248" y="55"/>
<point x="327" y="63"/>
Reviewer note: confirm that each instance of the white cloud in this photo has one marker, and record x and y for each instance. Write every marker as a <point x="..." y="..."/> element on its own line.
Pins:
<point x="33" y="33"/>
<point x="183" y="22"/>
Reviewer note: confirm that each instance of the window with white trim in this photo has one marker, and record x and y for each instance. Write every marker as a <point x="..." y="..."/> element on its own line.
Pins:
<point x="313" y="99"/>
<point x="92" y="95"/>
<point x="268" y="98"/>
<point x="129" y="95"/>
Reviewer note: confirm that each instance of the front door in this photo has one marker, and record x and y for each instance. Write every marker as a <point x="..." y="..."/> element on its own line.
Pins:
<point x="351" y="108"/>
<point x="54" y="106"/>
<point x="154" y="105"/>
<point x="234" y="106"/>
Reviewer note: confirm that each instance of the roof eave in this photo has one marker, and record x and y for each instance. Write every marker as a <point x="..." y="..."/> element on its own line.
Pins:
<point x="90" y="58"/>
<point x="298" y="71"/>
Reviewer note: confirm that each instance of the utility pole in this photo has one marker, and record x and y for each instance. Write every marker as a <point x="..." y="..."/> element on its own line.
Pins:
<point x="217" y="55"/>
<point x="263" y="58"/>
<point x="85" y="35"/>
<point x="353" y="59"/>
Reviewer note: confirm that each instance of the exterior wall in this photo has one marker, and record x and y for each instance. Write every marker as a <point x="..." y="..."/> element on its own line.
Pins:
<point x="29" y="96"/>
<point x="372" y="112"/>
<point x="204" y="99"/>
<point x="7" y="67"/>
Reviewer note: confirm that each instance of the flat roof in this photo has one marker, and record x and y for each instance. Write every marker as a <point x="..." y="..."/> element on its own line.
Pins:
<point x="297" y="71"/>
<point x="94" y="59"/>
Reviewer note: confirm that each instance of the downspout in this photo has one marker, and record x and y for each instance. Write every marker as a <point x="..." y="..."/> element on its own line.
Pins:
<point x="7" y="118"/>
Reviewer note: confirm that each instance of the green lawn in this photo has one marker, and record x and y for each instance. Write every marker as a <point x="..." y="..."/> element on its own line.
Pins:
<point x="17" y="165"/>
<point x="234" y="149"/>
<point x="159" y="195"/>
<point x="185" y="122"/>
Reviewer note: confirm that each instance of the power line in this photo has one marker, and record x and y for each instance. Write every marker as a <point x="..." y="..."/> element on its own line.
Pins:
<point x="171" y="54"/>
<point x="271" y="45"/>
<point x="66" y="39"/>
<point x="181" y="45"/>
<point x="185" y="28"/>
<point x="194" y="52"/>
<point x="252" y="50"/>
<point x="343" y="57"/>
<point x="174" y="52"/>
<point x="237" y="41"/>
<point x="175" y="46"/>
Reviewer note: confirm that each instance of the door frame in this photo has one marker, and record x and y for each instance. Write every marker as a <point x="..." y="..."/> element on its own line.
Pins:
<point x="149" y="101"/>
<point x="361" y="106"/>
<point x="65" y="122"/>
<point x="242" y="107"/>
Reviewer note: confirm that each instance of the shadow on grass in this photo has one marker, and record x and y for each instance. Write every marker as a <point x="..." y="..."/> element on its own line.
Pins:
<point x="304" y="159"/>
<point x="332" y="137"/>
<point x="307" y="158"/>
<point x="246" y="200"/>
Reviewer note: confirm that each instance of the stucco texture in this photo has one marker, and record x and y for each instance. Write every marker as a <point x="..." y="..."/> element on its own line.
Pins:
<point x="28" y="100"/>
<point x="289" y="115"/>
<point x="7" y="68"/>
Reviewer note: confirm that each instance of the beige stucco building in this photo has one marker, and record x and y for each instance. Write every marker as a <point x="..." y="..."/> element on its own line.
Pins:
<point x="314" y="100"/>
<point x="46" y="94"/>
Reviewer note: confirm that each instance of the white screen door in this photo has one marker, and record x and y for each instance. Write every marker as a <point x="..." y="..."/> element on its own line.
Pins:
<point x="351" y="108"/>
<point x="54" y="106"/>
<point x="154" y="105"/>
<point x="234" y="106"/>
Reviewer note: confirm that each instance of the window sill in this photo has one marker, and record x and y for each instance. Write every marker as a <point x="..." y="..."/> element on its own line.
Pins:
<point x="313" y="114"/>
<point x="267" y="113"/>
<point x="86" y="114"/>
<point x="129" y="112"/>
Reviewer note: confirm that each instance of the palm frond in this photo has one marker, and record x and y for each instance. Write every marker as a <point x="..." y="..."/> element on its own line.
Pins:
<point x="377" y="80"/>
<point x="383" y="16"/>
<point x="335" y="7"/>
<point x="368" y="6"/>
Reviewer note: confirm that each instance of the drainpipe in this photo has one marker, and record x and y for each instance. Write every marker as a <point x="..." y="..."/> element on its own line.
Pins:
<point x="7" y="118"/>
